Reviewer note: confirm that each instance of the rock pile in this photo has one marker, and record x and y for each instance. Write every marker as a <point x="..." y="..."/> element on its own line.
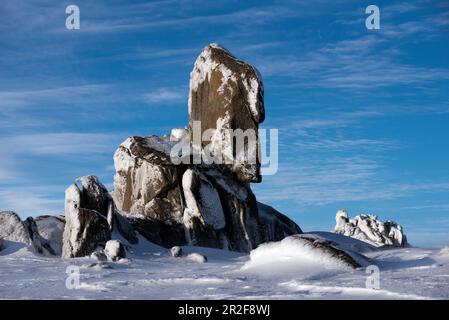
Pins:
<point x="371" y="229"/>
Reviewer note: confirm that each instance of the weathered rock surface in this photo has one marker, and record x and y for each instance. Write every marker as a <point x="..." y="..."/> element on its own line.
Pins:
<point x="190" y="204"/>
<point x="227" y="94"/>
<point x="86" y="212"/>
<point x="146" y="183"/>
<point x="12" y="228"/>
<point x="371" y="229"/>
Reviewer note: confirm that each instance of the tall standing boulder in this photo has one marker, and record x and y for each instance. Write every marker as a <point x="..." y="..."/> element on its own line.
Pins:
<point x="86" y="211"/>
<point x="226" y="94"/>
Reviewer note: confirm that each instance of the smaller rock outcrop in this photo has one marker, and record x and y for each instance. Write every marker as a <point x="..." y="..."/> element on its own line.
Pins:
<point x="12" y="228"/>
<point x="371" y="229"/>
<point x="86" y="212"/>
<point x="91" y="219"/>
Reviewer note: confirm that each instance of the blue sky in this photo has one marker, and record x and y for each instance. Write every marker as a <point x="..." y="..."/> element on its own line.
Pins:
<point x="362" y="114"/>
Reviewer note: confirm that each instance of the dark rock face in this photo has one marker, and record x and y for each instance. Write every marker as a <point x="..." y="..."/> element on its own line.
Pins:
<point x="226" y="93"/>
<point x="274" y="224"/>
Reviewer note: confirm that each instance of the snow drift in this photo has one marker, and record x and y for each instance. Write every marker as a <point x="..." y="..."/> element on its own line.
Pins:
<point x="303" y="256"/>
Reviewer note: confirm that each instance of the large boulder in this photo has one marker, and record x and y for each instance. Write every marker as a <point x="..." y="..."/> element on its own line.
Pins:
<point x="86" y="211"/>
<point x="146" y="183"/>
<point x="371" y="229"/>
<point x="12" y="228"/>
<point x="183" y="204"/>
<point x="226" y="94"/>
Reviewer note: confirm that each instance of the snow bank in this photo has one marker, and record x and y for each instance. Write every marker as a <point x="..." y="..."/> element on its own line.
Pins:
<point x="292" y="255"/>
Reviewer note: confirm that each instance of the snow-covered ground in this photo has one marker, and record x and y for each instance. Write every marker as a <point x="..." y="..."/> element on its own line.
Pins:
<point x="274" y="272"/>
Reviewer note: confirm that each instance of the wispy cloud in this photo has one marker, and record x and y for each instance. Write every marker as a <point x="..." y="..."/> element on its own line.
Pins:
<point x="32" y="201"/>
<point x="165" y="95"/>
<point x="58" y="144"/>
<point x="258" y="15"/>
<point x="61" y="94"/>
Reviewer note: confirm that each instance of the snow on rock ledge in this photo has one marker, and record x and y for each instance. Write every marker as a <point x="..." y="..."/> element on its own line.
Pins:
<point x="371" y="229"/>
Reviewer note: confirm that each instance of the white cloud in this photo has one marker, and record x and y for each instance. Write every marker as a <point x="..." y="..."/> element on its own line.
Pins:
<point x="31" y="201"/>
<point x="166" y="95"/>
<point x="62" y="94"/>
<point x="58" y="144"/>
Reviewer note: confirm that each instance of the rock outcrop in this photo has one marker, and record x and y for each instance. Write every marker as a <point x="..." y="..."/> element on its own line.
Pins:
<point x="86" y="211"/>
<point x="91" y="219"/>
<point x="371" y="229"/>
<point x="35" y="233"/>
<point x="200" y="203"/>
<point x="12" y="228"/>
